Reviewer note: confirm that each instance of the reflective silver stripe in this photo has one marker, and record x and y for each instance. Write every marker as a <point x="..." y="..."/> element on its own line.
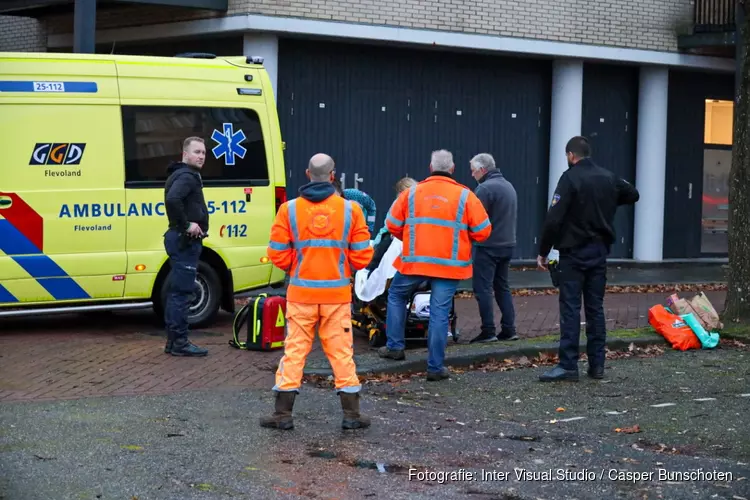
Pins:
<point x="341" y="245"/>
<point x="310" y="283"/>
<point x="457" y="225"/>
<point x="275" y="245"/>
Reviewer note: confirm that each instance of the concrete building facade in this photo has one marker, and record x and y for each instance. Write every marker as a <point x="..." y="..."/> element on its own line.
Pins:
<point x="379" y="84"/>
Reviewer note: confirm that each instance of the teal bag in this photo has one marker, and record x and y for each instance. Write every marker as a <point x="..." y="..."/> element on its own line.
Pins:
<point x="708" y="340"/>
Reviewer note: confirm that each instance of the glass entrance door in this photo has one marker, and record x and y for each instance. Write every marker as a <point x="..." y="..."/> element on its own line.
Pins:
<point x="717" y="161"/>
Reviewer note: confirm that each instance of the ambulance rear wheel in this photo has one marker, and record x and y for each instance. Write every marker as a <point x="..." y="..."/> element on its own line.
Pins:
<point x="206" y="300"/>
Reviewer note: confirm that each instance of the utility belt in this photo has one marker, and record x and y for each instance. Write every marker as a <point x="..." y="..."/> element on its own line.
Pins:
<point x="185" y="239"/>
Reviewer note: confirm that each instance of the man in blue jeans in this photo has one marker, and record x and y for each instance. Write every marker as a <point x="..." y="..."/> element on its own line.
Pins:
<point x="437" y="220"/>
<point x="492" y="256"/>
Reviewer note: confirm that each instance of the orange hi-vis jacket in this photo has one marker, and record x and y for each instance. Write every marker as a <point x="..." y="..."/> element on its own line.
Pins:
<point x="437" y="220"/>
<point x="318" y="243"/>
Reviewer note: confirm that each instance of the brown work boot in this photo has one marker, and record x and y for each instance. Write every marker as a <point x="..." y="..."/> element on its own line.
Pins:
<point x="386" y="353"/>
<point x="282" y="417"/>
<point x="352" y="418"/>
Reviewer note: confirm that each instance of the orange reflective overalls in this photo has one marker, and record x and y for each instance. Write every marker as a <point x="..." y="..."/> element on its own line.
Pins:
<point x="318" y="243"/>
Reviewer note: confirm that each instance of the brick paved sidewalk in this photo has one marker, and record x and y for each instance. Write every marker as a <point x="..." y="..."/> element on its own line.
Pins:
<point x="117" y="354"/>
<point x="538" y="315"/>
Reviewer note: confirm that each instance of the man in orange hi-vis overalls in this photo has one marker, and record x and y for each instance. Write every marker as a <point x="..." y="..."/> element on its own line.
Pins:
<point x="317" y="238"/>
<point x="437" y="220"/>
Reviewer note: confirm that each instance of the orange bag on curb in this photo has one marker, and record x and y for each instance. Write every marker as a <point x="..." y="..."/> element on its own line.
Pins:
<point x="670" y="326"/>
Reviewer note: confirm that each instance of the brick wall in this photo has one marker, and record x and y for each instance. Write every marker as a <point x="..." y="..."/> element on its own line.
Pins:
<point x="22" y="34"/>
<point x="645" y="24"/>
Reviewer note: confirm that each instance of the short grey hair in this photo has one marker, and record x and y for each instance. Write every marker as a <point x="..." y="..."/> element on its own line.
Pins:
<point x="320" y="167"/>
<point x="442" y="161"/>
<point x="482" y="160"/>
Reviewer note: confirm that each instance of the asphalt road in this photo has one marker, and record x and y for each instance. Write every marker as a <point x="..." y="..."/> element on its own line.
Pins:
<point x="690" y="408"/>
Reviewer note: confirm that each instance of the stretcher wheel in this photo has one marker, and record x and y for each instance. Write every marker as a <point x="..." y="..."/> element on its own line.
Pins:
<point x="377" y="339"/>
<point x="454" y="329"/>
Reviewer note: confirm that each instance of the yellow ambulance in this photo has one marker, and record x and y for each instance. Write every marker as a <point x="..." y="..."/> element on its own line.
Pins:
<point x="86" y="142"/>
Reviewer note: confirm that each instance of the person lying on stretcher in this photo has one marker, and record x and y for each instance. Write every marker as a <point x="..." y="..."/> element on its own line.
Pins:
<point x="370" y="283"/>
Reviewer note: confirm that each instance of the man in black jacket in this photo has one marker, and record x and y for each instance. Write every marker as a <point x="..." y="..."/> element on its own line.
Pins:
<point x="183" y="241"/>
<point x="492" y="256"/>
<point x="580" y="225"/>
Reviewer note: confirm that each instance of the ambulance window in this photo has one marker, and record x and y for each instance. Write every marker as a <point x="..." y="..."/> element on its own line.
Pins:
<point x="235" y="149"/>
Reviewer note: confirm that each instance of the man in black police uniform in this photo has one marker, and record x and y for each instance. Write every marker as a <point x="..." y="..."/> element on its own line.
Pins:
<point x="580" y="225"/>
<point x="183" y="241"/>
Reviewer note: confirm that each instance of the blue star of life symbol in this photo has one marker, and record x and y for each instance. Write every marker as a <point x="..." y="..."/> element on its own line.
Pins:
<point x="228" y="144"/>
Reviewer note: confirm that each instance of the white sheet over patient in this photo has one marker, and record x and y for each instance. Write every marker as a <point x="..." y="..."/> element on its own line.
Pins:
<point x="370" y="287"/>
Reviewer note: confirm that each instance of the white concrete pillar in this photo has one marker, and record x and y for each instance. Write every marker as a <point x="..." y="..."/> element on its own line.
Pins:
<point x="266" y="46"/>
<point x="651" y="163"/>
<point x="565" y="120"/>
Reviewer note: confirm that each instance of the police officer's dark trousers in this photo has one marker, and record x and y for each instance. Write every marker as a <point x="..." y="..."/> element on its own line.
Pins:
<point x="184" y="253"/>
<point x="583" y="272"/>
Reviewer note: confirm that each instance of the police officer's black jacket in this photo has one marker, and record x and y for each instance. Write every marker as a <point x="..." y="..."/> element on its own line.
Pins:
<point x="183" y="197"/>
<point x="583" y="207"/>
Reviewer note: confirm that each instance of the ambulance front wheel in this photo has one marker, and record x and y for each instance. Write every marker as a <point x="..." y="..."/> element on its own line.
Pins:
<point x="206" y="300"/>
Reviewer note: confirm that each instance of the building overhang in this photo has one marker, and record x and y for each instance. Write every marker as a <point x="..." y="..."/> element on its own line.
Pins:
<point x="43" y="8"/>
<point x="721" y="44"/>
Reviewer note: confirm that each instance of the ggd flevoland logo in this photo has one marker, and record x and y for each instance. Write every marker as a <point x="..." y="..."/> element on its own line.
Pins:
<point x="58" y="153"/>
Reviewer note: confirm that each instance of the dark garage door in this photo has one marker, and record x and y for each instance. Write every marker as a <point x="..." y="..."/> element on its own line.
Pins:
<point x="380" y="112"/>
<point x="610" y="107"/>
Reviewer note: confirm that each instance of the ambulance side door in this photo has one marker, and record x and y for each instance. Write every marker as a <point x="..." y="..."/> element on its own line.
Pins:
<point x="61" y="181"/>
<point x="161" y="107"/>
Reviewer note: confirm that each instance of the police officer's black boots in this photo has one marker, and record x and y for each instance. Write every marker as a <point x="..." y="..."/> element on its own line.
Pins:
<point x="170" y="342"/>
<point x="181" y="346"/>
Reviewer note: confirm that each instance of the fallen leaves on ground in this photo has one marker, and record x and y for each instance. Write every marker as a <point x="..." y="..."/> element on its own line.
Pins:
<point x="736" y="344"/>
<point x="629" y="430"/>
<point x="495" y="365"/>
<point x="560" y="410"/>
<point x="633" y="350"/>
<point x="662" y="448"/>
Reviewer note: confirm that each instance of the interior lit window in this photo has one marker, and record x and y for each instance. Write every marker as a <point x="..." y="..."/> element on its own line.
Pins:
<point x="719" y="124"/>
<point x="717" y="160"/>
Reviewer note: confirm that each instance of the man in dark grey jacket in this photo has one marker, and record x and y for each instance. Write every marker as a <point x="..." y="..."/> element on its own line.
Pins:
<point x="492" y="256"/>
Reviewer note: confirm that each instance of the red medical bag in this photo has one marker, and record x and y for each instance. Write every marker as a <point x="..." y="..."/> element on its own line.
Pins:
<point x="266" y="324"/>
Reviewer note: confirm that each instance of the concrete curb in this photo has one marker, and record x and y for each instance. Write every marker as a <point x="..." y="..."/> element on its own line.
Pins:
<point x="419" y="364"/>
